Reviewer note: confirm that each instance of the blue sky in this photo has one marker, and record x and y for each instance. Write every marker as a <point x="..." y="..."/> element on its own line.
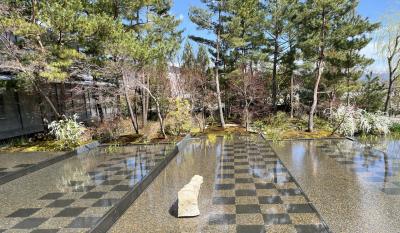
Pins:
<point x="373" y="9"/>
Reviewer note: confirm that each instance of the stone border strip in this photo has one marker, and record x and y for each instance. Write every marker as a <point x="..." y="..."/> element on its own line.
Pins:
<point x="297" y="183"/>
<point x="111" y="217"/>
<point x="35" y="167"/>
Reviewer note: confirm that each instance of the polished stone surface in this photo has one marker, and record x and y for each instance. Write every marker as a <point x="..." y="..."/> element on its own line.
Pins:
<point x="72" y="195"/>
<point x="246" y="189"/>
<point x="12" y="162"/>
<point x="354" y="188"/>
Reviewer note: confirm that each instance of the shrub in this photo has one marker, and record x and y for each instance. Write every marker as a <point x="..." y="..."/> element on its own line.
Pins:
<point x="350" y="120"/>
<point x="395" y="128"/>
<point x="109" y="130"/>
<point x="67" y="131"/>
<point x="179" y="118"/>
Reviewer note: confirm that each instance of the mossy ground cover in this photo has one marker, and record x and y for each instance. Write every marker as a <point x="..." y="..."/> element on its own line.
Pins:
<point x="22" y="145"/>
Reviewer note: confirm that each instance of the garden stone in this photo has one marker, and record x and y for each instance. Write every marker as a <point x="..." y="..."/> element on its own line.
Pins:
<point x="188" y="198"/>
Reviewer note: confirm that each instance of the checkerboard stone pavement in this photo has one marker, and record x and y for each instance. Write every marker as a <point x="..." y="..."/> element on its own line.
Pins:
<point x="80" y="207"/>
<point x="373" y="166"/>
<point x="8" y="170"/>
<point x="254" y="192"/>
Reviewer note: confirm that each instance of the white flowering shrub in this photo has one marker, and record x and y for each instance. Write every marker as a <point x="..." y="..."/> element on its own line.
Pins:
<point x="350" y="120"/>
<point x="67" y="131"/>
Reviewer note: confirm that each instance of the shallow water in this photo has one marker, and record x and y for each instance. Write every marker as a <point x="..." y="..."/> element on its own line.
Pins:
<point x="246" y="189"/>
<point x="354" y="188"/>
<point x="72" y="195"/>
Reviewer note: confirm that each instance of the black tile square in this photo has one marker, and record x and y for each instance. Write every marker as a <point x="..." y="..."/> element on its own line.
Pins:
<point x="75" y="183"/>
<point x="45" y="231"/>
<point x="224" y="186"/>
<point x="391" y="191"/>
<point x="250" y="229"/>
<point x="223" y="200"/>
<point x="121" y="188"/>
<point x="100" y="177"/>
<point x="105" y="202"/>
<point x="265" y="186"/>
<point x="227" y="167"/>
<point x="225" y="176"/>
<point x="60" y="203"/>
<point x="111" y="182"/>
<point x="245" y="192"/>
<point x="276" y="219"/>
<point x="279" y="169"/>
<point x="270" y="200"/>
<point x="241" y="163"/>
<point x="258" y="166"/>
<point x="289" y="192"/>
<point x="70" y="212"/>
<point x="30" y="223"/>
<point x="310" y="229"/>
<point x="283" y="179"/>
<point x="123" y="173"/>
<point x="345" y="162"/>
<point x="300" y="208"/>
<point x="222" y="219"/>
<point x="241" y="171"/>
<point x="51" y="196"/>
<point x="248" y="209"/>
<point x="93" y="195"/>
<point x="243" y="180"/>
<point x="23" y="213"/>
<point x="83" y="222"/>
<point x="83" y="188"/>
<point x="225" y="160"/>
<point x="113" y="169"/>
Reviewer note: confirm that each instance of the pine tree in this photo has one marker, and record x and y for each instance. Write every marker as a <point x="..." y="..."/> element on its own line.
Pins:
<point x="211" y="19"/>
<point x="188" y="59"/>
<point x="324" y="28"/>
<point x="279" y="14"/>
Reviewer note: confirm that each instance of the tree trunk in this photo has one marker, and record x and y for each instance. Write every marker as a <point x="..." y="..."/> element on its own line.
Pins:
<point x="388" y="95"/>
<point x="48" y="100"/>
<point x="246" y="111"/>
<point x="320" y="70"/>
<point x="221" y="113"/>
<point x="129" y="104"/>
<point x="274" y="71"/>
<point x="291" y="96"/>
<point x="160" y="119"/>
<point x="348" y="87"/>
<point x="145" y="101"/>
<point x="33" y="13"/>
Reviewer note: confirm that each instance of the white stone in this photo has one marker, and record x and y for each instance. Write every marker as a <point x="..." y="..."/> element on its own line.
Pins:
<point x="188" y="205"/>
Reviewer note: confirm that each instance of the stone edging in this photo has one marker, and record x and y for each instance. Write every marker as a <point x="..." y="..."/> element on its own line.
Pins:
<point x="35" y="167"/>
<point x="111" y="217"/>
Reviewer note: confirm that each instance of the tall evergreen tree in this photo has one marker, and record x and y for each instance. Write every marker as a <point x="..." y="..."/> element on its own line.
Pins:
<point x="325" y="26"/>
<point x="212" y="19"/>
<point x="279" y="14"/>
<point x="188" y="58"/>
